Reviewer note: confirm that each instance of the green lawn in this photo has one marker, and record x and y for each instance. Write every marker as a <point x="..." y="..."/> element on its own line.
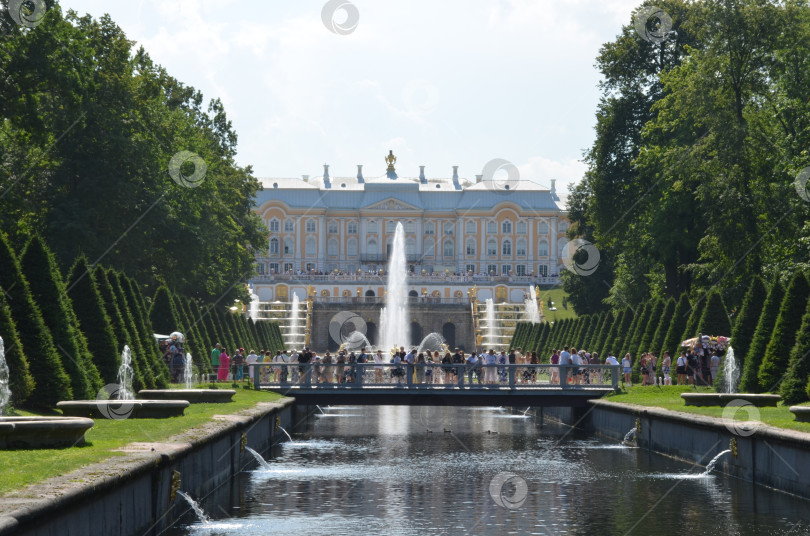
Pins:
<point x="556" y="295"/>
<point x="669" y="397"/>
<point x="21" y="467"/>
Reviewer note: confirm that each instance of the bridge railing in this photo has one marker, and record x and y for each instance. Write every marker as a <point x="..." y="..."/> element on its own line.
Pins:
<point x="432" y="376"/>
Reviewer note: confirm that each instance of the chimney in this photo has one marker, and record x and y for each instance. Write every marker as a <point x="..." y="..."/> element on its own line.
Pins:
<point x="554" y="186"/>
<point x="360" y="178"/>
<point x="422" y="178"/>
<point x="305" y="177"/>
<point x="478" y="178"/>
<point x="456" y="185"/>
<point x="326" y="181"/>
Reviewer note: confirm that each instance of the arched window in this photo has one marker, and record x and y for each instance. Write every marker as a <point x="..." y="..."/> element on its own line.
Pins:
<point x="492" y="227"/>
<point x="351" y="247"/>
<point x="507" y="247"/>
<point x="332" y="227"/>
<point x="310" y="226"/>
<point x="429" y="229"/>
<point x="470" y="227"/>
<point x="289" y="246"/>
<point x="410" y="227"/>
<point x="430" y="247"/>
<point x="289" y="226"/>
<point x="448" y="248"/>
<point x="520" y="248"/>
<point x="563" y="226"/>
<point x="372" y="227"/>
<point x="506" y="227"/>
<point x="410" y="246"/>
<point x="521" y="227"/>
<point x="372" y="247"/>
<point x="274" y="246"/>
<point x="470" y="247"/>
<point x="332" y="247"/>
<point x="312" y="247"/>
<point x="390" y="227"/>
<point x="561" y="246"/>
<point x="542" y="248"/>
<point x="542" y="228"/>
<point x="274" y="225"/>
<point x="351" y="227"/>
<point x="492" y="247"/>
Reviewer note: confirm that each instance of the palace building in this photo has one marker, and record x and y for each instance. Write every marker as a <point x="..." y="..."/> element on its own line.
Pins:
<point x="330" y="237"/>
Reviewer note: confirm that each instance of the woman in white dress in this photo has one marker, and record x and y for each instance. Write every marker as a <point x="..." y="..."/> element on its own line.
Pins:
<point x="378" y="368"/>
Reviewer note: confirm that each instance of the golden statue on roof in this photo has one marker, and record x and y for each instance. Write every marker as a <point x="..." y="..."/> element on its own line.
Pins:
<point x="390" y="160"/>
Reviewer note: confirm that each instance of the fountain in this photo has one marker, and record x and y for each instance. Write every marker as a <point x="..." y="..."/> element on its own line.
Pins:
<point x="432" y="343"/>
<point x="712" y="463"/>
<point x="187" y="372"/>
<point x="35" y="432"/>
<point x="355" y="341"/>
<point x="123" y="405"/>
<point x="394" y="320"/>
<point x="196" y="507"/>
<point x="731" y="374"/>
<point x="629" y="434"/>
<point x="530" y="312"/>
<point x="295" y="333"/>
<point x="490" y="341"/>
<point x="285" y="432"/>
<point x="259" y="458"/>
<point x="253" y="311"/>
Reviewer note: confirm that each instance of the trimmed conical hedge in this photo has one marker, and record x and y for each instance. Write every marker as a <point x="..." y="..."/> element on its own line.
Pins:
<point x="51" y="382"/>
<point x="135" y="302"/>
<point x="793" y="388"/>
<point x="21" y="382"/>
<point x="777" y="354"/>
<point x="622" y="333"/>
<point x="742" y="334"/>
<point x="162" y="315"/>
<point x="691" y="329"/>
<point x="672" y="340"/>
<point x="48" y="292"/>
<point x="661" y="329"/>
<point x="599" y="342"/>
<point x="607" y="346"/>
<point x="714" y="319"/>
<point x="93" y="321"/>
<point x="749" y="382"/>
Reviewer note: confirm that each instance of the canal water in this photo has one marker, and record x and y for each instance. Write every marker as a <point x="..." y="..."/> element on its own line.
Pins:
<point x="410" y="471"/>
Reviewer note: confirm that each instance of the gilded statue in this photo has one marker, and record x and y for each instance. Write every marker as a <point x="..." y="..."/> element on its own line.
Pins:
<point x="390" y="160"/>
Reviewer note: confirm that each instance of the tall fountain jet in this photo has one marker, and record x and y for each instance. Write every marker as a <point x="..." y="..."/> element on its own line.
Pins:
<point x="532" y="313"/>
<point x="394" y="321"/>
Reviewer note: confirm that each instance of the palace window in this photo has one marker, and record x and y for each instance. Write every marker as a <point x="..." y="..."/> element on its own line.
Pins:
<point x="390" y="227"/>
<point x="542" y="270"/>
<point x="448" y="248"/>
<point x="331" y="227"/>
<point x="470" y="227"/>
<point x="492" y="269"/>
<point x="470" y="268"/>
<point x="289" y="246"/>
<point x="289" y="226"/>
<point x="351" y="247"/>
<point x="505" y="269"/>
<point x="471" y="247"/>
<point x="492" y="227"/>
<point x="273" y="267"/>
<point x="430" y="248"/>
<point x="372" y="247"/>
<point x="429" y="229"/>
<point x="310" y="227"/>
<point x="542" y="248"/>
<point x="410" y="246"/>
<point x="563" y="226"/>
<point x="260" y="268"/>
<point x="449" y="228"/>
<point x="507" y="247"/>
<point x="520" y="249"/>
<point x="274" y="246"/>
<point x="506" y="227"/>
<point x="352" y="227"/>
<point x="372" y="227"/>
<point x="520" y="269"/>
<point x="274" y="225"/>
<point x="521" y="227"/>
<point x="492" y="248"/>
<point x="332" y="247"/>
<point x="410" y="227"/>
<point x="288" y="267"/>
<point x="542" y="227"/>
<point x="312" y="247"/>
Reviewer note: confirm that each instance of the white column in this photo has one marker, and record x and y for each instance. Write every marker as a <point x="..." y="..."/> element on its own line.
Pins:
<point x="321" y="256"/>
<point x="530" y="246"/>
<point x="459" y="245"/>
<point x="553" y="258"/>
<point x="362" y="229"/>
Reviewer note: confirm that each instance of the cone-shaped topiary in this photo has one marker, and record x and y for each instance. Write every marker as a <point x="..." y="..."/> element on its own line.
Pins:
<point x="793" y="388"/>
<point x="93" y="321"/>
<point x="777" y="354"/>
<point x="134" y="300"/>
<point x="672" y="340"/>
<point x="162" y="315"/>
<point x="746" y="324"/>
<point x="691" y="329"/>
<point x="661" y="329"/>
<point x="607" y="346"/>
<point x="620" y="343"/>
<point x="599" y="342"/>
<point x="593" y="334"/>
<point x="647" y="331"/>
<point x="714" y="319"/>
<point x="52" y="383"/>
<point x="21" y="382"/>
<point x="749" y="382"/>
<point x="48" y="291"/>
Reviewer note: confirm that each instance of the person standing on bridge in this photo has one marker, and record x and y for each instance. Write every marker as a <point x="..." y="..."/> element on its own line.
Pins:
<point x="627" y="368"/>
<point x="565" y="363"/>
<point x="378" y="367"/>
<point x="491" y="367"/>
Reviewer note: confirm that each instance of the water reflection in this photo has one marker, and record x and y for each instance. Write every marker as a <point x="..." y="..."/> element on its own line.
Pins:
<point x="395" y="471"/>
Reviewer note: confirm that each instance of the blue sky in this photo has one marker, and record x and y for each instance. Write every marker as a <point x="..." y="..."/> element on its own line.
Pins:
<point x="441" y="83"/>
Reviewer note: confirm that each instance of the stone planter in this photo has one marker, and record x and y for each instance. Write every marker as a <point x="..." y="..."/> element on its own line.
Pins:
<point x="801" y="413"/>
<point x="42" y="432"/>
<point x="722" y="399"/>
<point x="123" y="409"/>
<point x="193" y="396"/>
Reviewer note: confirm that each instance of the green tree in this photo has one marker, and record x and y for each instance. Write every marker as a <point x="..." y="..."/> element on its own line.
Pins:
<point x="777" y="353"/>
<point x="610" y="339"/>
<point x="93" y="320"/>
<point x="162" y="315"/>
<point x="135" y="301"/>
<point x="661" y="329"/>
<point x="746" y="323"/>
<point x="48" y="291"/>
<point x="749" y="381"/>
<point x="672" y="340"/>
<point x="793" y="388"/>
<point x="714" y="318"/>
<point x="21" y="382"/>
